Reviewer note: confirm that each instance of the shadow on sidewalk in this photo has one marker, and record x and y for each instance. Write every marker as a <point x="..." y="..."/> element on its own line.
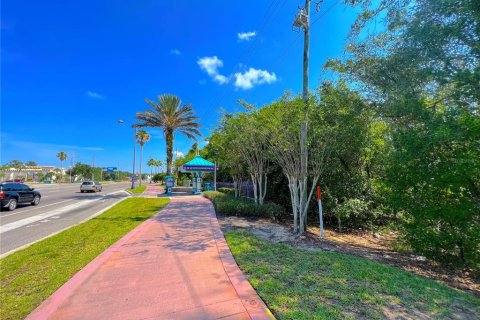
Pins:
<point x="187" y="226"/>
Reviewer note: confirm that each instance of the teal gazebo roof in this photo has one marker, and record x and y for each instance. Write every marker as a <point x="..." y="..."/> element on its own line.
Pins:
<point x="197" y="164"/>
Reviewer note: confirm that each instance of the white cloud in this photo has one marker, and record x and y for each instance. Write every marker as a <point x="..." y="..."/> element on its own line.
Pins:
<point x="211" y="65"/>
<point x="252" y="77"/>
<point x="176" y="52"/>
<point x="245" y="36"/>
<point x="220" y="78"/>
<point x="178" y="154"/>
<point x="95" y="95"/>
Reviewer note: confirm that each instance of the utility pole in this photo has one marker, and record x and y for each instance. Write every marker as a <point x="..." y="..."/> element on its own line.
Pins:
<point x="93" y="169"/>
<point x="134" y="156"/>
<point x="306" y="48"/>
<point x="302" y="21"/>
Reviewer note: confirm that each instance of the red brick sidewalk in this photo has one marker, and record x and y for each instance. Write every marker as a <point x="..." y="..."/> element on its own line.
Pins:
<point x="152" y="191"/>
<point x="176" y="265"/>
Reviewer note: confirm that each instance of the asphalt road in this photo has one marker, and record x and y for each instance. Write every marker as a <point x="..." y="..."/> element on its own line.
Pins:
<point x="61" y="207"/>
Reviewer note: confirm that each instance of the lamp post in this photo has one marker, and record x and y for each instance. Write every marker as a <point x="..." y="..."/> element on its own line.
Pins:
<point x="134" y="153"/>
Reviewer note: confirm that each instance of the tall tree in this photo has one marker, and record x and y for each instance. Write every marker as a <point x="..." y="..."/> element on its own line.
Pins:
<point x="423" y="69"/>
<point x="169" y="115"/>
<point x="246" y="137"/>
<point x="62" y="156"/>
<point x="31" y="163"/>
<point x="151" y="163"/>
<point x="18" y="165"/>
<point x="282" y="124"/>
<point x="142" y="138"/>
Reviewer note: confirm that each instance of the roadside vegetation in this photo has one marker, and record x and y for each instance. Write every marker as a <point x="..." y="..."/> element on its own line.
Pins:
<point x="393" y="142"/>
<point x="301" y="284"/>
<point x="138" y="190"/>
<point x="228" y="205"/>
<point x="31" y="275"/>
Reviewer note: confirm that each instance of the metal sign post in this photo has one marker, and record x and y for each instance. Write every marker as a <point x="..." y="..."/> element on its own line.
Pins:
<point x="320" y="213"/>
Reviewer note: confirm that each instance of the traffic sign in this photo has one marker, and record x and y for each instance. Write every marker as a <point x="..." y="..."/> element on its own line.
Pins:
<point x="111" y="169"/>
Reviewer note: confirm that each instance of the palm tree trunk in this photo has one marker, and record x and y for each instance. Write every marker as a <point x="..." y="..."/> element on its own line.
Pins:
<point x="141" y="151"/>
<point x="169" y="140"/>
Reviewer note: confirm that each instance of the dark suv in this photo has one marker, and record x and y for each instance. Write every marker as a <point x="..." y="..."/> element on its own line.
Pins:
<point x="12" y="194"/>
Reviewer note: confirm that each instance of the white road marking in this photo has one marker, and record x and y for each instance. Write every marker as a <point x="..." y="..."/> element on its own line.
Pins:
<point x="47" y="205"/>
<point x="43" y="216"/>
<point x="61" y="230"/>
<point x="52" y="204"/>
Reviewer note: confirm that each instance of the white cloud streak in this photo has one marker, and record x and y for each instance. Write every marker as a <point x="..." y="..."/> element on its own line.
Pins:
<point x="178" y="154"/>
<point x="211" y="65"/>
<point x="175" y="52"/>
<point x="94" y="95"/>
<point x="252" y="77"/>
<point x="246" y="36"/>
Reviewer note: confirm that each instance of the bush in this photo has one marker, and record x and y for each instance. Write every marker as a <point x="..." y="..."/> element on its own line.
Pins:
<point x="211" y="195"/>
<point x="229" y="191"/>
<point x="231" y="206"/>
<point x="158" y="177"/>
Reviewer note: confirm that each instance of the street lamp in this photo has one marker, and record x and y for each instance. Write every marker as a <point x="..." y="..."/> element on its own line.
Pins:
<point x="120" y="121"/>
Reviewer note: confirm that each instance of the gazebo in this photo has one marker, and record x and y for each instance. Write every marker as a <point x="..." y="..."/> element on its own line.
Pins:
<point x="196" y="166"/>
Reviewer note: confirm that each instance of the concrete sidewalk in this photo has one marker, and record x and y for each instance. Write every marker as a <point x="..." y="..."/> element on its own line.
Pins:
<point x="175" y="265"/>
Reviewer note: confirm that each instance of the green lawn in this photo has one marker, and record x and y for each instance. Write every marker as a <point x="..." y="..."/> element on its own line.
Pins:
<point x="301" y="284"/>
<point x="138" y="190"/>
<point x="31" y="275"/>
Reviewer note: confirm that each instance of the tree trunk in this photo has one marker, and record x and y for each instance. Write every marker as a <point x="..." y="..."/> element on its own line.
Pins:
<point x="169" y="140"/>
<point x="255" y="187"/>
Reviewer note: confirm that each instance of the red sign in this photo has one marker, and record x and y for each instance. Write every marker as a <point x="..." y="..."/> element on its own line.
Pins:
<point x="319" y="193"/>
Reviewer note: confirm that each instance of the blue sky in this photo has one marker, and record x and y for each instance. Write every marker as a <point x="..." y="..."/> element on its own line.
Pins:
<point x="71" y="69"/>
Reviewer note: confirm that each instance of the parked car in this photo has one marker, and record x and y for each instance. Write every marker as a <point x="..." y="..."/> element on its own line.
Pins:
<point x="93" y="186"/>
<point x="12" y="194"/>
<point x="16" y="181"/>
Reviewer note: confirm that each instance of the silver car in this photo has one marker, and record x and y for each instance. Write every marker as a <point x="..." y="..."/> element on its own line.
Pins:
<point x="93" y="186"/>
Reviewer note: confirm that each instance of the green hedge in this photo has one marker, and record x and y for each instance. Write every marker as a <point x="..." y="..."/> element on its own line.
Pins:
<point x="231" y="206"/>
<point x="230" y="191"/>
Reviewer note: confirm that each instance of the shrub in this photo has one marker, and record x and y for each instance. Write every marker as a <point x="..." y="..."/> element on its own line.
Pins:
<point x="229" y="191"/>
<point x="158" y="177"/>
<point x="211" y="195"/>
<point x="353" y="212"/>
<point x="231" y="206"/>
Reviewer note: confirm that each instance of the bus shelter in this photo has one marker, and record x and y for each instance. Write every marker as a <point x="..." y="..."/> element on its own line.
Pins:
<point x="196" y="166"/>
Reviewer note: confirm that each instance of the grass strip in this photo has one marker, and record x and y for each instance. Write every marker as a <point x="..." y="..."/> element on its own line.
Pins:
<point x="302" y="284"/>
<point x="31" y="275"/>
<point x="138" y="189"/>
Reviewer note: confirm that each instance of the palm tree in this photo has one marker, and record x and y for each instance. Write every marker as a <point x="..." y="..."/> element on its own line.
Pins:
<point x="62" y="156"/>
<point x="151" y="163"/>
<point x="170" y="116"/>
<point x="159" y="163"/>
<point x="142" y="137"/>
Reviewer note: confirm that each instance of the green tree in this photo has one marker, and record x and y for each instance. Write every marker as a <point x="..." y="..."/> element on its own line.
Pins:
<point x="245" y="132"/>
<point x="31" y="163"/>
<point x="62" y="156"/>
<point x="423" y="71"/>
<point x="82" y="169"/>
<point x="169" y="115"/>
<point x="283" y="124"/>
<point x="154" y="163"/>
<point x="142" y="138"/>
<point x="18" y="165"/>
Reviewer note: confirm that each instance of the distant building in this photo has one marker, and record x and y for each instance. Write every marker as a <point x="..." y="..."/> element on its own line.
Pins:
<point x="31" y="173"/>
